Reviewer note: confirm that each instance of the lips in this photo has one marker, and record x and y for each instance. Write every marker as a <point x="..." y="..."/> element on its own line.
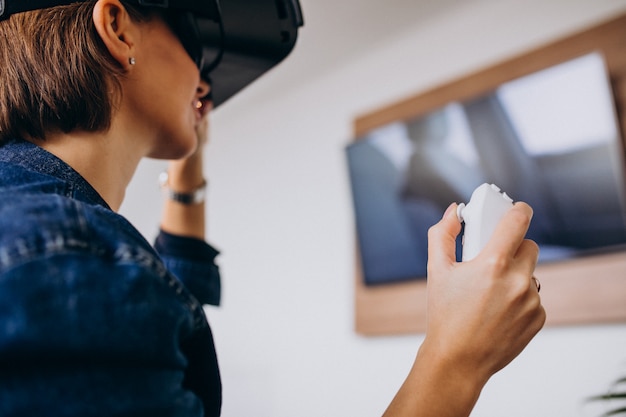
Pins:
<point x="198" y="111"/>
<point x="202" y="107"/>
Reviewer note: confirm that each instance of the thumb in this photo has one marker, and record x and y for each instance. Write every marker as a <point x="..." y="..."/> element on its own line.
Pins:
<point x="442" y="239"/>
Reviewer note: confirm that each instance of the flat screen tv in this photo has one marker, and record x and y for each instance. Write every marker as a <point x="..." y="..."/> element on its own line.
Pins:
<point x="550" y="139"/>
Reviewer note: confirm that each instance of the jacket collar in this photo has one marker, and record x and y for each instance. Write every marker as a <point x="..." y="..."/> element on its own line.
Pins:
<point x="36" y="159"/>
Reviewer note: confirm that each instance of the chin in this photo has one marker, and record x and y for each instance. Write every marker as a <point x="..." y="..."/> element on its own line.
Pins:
<point x="174" y="149"/>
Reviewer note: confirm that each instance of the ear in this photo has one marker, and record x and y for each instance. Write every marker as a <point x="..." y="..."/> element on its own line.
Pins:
<point x="116" y="29"/>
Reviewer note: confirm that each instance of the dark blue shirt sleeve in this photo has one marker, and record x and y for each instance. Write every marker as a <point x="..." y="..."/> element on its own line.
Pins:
<point x="192" y="261"/>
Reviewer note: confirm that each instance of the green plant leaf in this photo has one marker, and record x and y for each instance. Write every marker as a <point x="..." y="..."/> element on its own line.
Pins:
<point x="615" y="412"/>
<point x="611" y="396"/>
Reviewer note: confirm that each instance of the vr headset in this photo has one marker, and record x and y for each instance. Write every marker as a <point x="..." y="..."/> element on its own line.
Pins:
<point x="233" y="42"/>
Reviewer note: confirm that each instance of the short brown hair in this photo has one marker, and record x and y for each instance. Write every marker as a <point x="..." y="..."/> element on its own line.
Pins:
<point x="56" y="73"/>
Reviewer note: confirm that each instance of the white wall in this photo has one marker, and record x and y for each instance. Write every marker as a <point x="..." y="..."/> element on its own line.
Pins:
<point x="280" y="210"/>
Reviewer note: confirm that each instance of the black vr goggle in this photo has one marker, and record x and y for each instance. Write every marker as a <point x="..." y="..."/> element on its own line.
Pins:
<point x="233" y="42"/>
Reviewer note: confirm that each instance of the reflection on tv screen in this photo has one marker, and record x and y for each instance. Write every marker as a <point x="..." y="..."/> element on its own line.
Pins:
<point x="550" y="139"/>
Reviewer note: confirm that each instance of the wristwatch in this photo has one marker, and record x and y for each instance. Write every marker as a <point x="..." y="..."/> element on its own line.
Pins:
<point x="195" y="196"/>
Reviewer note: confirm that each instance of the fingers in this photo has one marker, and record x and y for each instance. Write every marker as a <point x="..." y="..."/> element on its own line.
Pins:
<point x="202" y="131"/>
<point x="509" y="234"/>
<point x="526" y="257"/>
<point x="442" y="238"/>
<point x="507" y="240"/>
<point x="202" y="128"/>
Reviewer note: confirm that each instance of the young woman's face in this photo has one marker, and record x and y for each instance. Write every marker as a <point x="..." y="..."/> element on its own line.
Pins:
<point x="164" y="92"/>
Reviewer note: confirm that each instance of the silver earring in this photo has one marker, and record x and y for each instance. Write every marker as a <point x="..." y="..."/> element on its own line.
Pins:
<point x="132" y="60"/>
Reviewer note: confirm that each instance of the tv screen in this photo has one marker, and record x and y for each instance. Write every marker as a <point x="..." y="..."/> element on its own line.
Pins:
<point x="550" y="139"/>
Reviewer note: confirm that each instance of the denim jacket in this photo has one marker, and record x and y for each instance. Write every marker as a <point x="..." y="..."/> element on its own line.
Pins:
<point x="93" y="320"/>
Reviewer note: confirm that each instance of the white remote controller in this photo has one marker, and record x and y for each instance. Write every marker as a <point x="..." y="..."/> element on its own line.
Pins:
<point x="481" y="216"/>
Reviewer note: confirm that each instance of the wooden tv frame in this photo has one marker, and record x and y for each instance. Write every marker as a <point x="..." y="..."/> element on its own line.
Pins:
<point x="580" y="291"/>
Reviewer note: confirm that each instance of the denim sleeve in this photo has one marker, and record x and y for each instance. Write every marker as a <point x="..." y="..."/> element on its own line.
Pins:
<point x="192" y="261"/>
<point x="83" y="335"/>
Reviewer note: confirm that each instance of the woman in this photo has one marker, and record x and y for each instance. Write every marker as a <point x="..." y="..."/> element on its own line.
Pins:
<point x="94" y="322"/>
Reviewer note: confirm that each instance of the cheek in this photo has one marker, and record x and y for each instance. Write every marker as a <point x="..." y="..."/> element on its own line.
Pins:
<point x="176" y="57"/>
